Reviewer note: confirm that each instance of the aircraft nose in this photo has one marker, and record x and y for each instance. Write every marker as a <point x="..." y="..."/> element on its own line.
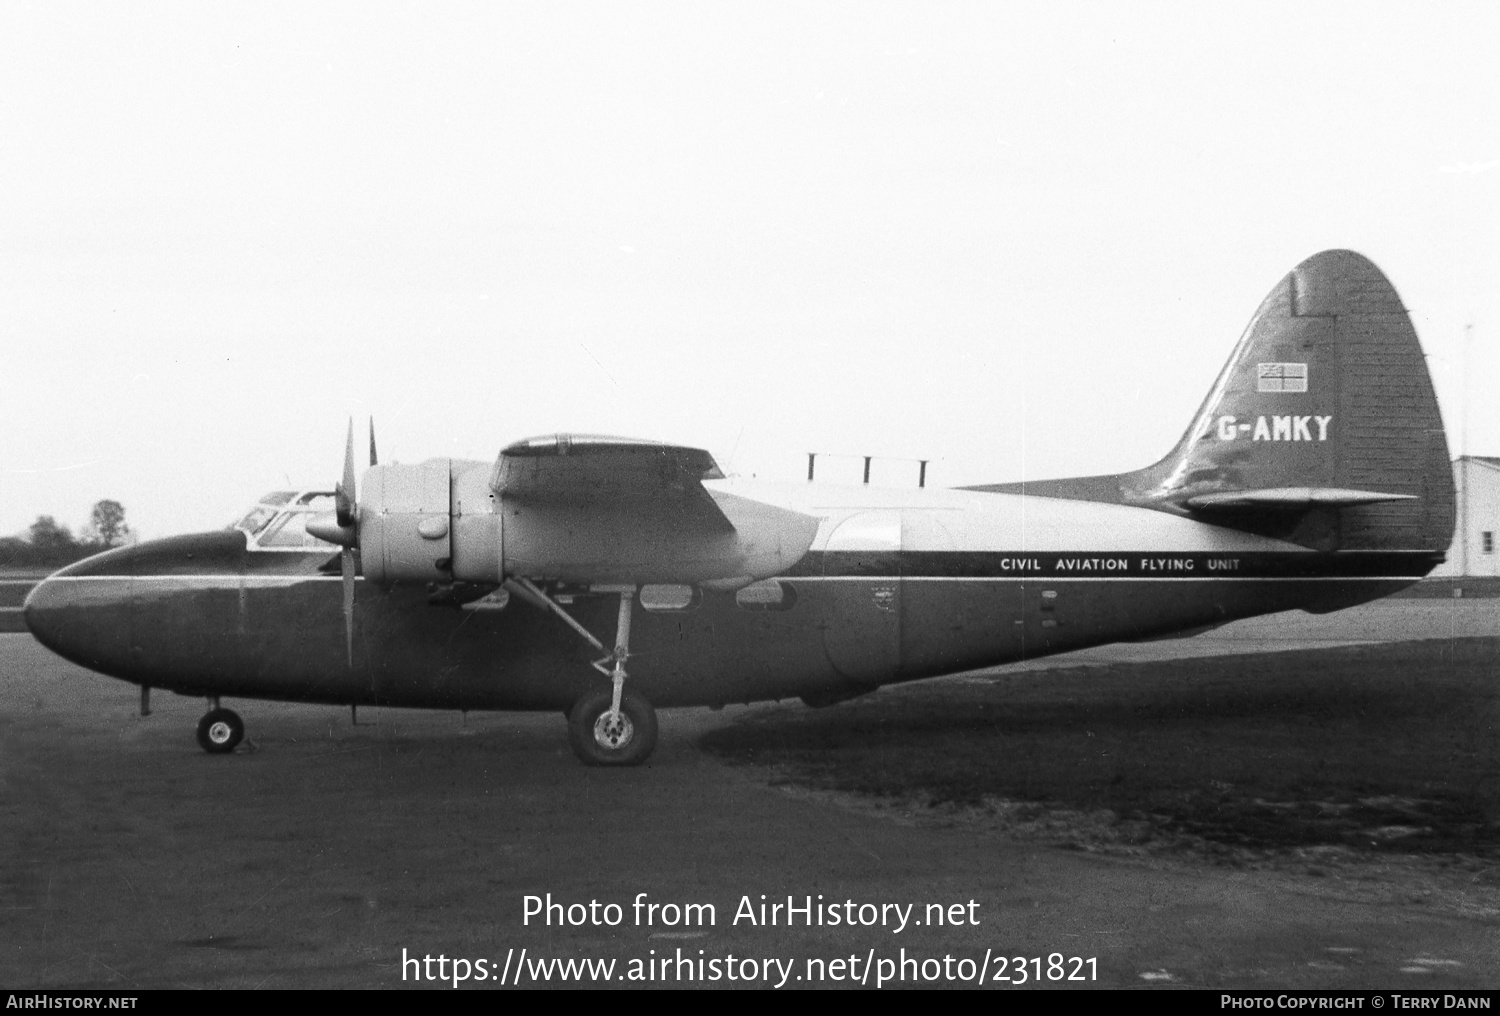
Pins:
<point x="81" y="617"/>
<point x="116" y="613"/>
<point x="40" y="612"/>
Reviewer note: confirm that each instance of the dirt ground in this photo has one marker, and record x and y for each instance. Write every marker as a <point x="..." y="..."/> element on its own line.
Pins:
<point x="128" y="858"/>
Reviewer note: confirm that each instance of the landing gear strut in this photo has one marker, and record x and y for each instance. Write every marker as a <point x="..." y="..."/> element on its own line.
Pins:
<point x="614" y="727"/>
<point x="220" y="731"/>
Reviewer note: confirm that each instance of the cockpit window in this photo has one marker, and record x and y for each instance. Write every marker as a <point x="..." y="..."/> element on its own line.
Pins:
<point x="279" y="521"/>
<point x="255" y="520"/>
<point x="291" y="531"/>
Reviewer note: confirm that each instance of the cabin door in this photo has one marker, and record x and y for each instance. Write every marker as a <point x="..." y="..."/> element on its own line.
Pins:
<point x="862" y="570"/>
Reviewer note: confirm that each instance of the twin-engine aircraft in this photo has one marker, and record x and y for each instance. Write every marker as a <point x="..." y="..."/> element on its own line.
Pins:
<point x="605" y="577"/>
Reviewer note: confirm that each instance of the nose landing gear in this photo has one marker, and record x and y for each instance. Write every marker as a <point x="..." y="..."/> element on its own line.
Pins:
<point x="220" y="731"/>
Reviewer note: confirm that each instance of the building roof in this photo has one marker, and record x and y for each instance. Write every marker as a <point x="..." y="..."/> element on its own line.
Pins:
<point x="1485" y="460"/>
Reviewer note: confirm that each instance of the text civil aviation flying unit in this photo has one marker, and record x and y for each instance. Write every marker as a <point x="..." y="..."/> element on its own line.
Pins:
<point x="605" y="577"/>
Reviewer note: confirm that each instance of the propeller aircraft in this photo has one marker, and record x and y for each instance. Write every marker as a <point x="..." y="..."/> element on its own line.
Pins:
<point x="606" y="577"/>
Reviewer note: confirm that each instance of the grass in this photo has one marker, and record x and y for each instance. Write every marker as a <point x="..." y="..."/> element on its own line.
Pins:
<point x="1389" y="748"/>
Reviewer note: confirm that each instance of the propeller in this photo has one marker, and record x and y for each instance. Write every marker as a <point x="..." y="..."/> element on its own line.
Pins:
<point x="344" y="530"/>
<point x="346" y="507"/>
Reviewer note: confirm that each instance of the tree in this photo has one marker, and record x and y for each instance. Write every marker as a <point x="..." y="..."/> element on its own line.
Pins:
<point x="107" y="523"/>
<point x="51" y="538"/>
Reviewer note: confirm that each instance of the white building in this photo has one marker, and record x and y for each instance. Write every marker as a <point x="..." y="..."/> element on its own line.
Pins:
<point x="1477" y="481"/>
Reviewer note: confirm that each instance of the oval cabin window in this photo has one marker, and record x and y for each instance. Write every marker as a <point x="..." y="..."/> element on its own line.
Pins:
<point x="767" y="594"/>
<point x="668" y="597"/>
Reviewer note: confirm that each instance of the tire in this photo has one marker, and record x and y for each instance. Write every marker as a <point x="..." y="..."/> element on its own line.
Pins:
<point x="220" y="731"/>
<point x="595" y="744"/>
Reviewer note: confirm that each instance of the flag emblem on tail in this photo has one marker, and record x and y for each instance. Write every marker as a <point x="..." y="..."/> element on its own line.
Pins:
<point x="1281" y="377"/>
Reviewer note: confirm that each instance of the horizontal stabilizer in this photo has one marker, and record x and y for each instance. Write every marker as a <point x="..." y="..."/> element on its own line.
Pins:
<point x="1291" y="498"/>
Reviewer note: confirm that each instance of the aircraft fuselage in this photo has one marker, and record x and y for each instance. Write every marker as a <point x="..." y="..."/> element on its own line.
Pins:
<point x="898" y="585"/>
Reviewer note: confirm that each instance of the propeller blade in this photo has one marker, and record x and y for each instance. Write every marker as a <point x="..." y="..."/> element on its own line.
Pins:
<point x="346" y="566"/>
<point x="344" y="496"/>
<point x="345" y="532"/>
<point x="372" y="442"/>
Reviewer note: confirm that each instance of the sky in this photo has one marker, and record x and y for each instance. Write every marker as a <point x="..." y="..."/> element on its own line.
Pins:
<point x="1018" y="239"/>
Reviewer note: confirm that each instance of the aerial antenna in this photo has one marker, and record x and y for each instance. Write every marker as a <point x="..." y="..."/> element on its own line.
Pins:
<point x="1463" y="459"/>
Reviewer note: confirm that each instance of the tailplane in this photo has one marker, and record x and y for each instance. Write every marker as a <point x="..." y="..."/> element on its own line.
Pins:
<point x="1322" y="429"/>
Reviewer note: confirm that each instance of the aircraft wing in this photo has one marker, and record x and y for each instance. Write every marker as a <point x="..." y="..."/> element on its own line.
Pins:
<point x="613" y="475"/>
<point x="617" y="510"/>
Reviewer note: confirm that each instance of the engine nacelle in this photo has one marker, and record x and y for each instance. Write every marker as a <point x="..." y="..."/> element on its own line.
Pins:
<point x="443" y="521"/>
<point x="404" y="528"/>
<point x="429" y="523"/>
<point x="477" y="545"/>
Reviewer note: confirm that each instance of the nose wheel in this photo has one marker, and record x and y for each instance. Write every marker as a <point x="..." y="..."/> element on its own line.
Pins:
<point x="220" y="731"/>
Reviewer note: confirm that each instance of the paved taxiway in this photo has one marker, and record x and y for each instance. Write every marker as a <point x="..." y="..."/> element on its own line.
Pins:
<point x="133" y="860"/>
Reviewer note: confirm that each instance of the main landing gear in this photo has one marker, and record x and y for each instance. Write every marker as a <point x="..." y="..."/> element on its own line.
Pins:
<point x="221" y="730"/>
<point x="600" y="736"/>
<point x="607" y="727"/>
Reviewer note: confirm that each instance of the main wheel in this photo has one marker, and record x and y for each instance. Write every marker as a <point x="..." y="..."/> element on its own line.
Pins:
<point x="599" y="740"/>
<point x="220" y="731"/>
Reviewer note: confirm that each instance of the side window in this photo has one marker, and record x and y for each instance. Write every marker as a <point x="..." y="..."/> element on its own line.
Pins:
<point x="767" y="594"/>
<point x="658" y="598"/>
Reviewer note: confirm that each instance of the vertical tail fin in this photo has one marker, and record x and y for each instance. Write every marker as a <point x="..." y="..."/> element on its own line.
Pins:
<point x="1323" y="428"/>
